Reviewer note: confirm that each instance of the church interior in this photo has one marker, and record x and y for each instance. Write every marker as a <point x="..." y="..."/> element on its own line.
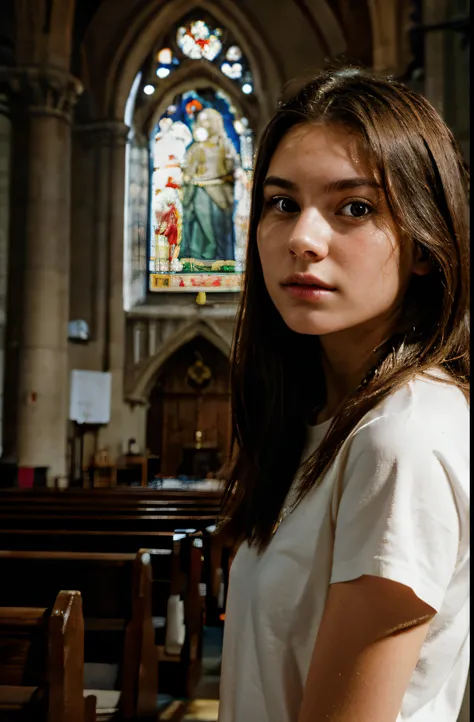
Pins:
<point x="127" y="137"/>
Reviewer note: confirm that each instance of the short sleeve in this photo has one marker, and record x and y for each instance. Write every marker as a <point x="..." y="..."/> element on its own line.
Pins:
<point x="397" y="516"/>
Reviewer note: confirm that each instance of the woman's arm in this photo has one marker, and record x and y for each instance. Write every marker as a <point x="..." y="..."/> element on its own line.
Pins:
<point x="367" y="647"/>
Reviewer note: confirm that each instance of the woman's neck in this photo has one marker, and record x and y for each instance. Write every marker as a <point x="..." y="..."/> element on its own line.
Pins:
<point x="345" y="367"/>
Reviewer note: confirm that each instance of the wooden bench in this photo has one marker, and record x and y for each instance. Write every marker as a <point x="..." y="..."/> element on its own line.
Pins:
<point x="123" y="521"/>
<point x="116" y="593"/>
<point x="111" y="520"/>
<point x="128" y="496"/>
<point x="42" y="663"/>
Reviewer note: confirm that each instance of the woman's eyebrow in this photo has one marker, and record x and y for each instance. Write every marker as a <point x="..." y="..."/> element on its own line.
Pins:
<point x="343" y="184"/>
<point x="346" y="184"/>
<point x="273" y="180"/>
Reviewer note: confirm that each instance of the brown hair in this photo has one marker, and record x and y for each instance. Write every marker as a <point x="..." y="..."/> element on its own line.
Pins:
<point x="277" y="378"/>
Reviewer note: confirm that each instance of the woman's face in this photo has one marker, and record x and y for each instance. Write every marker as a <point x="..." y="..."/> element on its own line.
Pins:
<point x="330" y="252"/>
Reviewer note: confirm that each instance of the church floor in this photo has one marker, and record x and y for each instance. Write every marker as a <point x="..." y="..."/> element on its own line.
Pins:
<point x="205" y="704"/>
<point x="100" y="681"/>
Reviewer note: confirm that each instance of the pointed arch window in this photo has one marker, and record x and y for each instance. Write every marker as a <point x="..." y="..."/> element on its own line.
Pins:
<point x="198" y="159"/>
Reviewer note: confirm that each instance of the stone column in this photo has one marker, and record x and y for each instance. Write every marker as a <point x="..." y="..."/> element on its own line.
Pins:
<point x="109" y="138"/>
<point x="37" y="379"/>
<point x="112" y="436"/>
<point x="390" y="44"/>
<point x="435" y="11"/>
<point x="5" y="156"/>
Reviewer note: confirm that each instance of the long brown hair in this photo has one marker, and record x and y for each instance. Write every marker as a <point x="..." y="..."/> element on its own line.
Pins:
<point x="277" y="378"/>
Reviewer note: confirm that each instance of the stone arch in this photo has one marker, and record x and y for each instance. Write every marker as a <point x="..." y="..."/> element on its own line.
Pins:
<point x="390" y="19"/>
<point x="141" y="30"/>
<point x="143" y="384"/>
<point x="355" y="21"/>
<point x="320" y="15"/>
<point x="195" y="75"/>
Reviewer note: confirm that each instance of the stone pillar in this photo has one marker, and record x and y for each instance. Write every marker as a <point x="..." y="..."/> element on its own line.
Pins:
<point x="435" y="11"/>
<point x="390" y="43"/>
<point x="5" y="156"/>
<point x="112" y="436"/>
<point x="109" y="139"/>
<point x="37" y="379"/>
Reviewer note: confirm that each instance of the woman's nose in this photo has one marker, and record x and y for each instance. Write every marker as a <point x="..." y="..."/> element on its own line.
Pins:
<point x="309" y="237"/>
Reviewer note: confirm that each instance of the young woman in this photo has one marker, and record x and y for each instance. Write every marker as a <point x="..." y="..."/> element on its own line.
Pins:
<point x="348" y="596"/>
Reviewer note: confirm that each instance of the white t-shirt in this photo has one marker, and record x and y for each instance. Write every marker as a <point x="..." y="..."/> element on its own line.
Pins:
<point x="394" y="504"/>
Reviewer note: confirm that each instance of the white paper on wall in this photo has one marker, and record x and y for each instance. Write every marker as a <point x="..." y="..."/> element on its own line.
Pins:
<point x="90" y="397"/>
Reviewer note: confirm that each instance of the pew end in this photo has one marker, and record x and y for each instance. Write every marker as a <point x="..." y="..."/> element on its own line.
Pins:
<point x="42" y="662"/>
<point x="140" y="662"/>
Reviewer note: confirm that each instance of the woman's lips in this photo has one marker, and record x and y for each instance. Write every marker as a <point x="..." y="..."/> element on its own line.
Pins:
<point x="307" y="292"/>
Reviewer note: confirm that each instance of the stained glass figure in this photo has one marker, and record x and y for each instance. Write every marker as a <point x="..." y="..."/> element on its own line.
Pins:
<point x="170" y="144"/>
<point x="200" y="195"/>
<point x="208" y="199"/>
<point x="197" y="40"/>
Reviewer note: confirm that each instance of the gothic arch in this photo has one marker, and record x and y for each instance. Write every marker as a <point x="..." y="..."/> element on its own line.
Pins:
<point x="355" y="21"/>
<point x="195" y="75"/>
<point x="140" y="33"/>
<point x="143" y="384"/>
<point x="319" y="14"/>
<point x="390" y="19"/>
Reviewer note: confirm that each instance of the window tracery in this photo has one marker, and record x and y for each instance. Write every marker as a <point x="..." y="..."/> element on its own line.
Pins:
<point x="199" y="38"/>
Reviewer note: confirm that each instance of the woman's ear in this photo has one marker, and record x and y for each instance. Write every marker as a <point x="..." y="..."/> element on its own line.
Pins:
<point x="421" y="262"/>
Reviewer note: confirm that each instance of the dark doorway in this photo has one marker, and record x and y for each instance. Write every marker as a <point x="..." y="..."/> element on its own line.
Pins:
<point x="188" y="423"/>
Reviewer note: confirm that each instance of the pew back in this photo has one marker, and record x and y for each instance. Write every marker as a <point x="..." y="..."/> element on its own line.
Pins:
<point x="116" y="593"/>
<point x="42" y="661"/>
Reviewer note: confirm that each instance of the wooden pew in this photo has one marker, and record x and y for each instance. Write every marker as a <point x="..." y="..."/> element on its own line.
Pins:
<point x="98" y="520"/>
<point x="108" y="504"/>
<point x="107" y="510"/>
<point x="145" y="497"/>
<point x="42" y="663"/>
<point x="84" y="540"/>
<point x="124" y="521"/>
<point x="111" y="520"/>
<point x="116" y="593"/>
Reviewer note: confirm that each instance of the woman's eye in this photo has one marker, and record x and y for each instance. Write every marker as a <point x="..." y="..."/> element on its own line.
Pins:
<point x="356" y="209"/>
<point x="284" y="205"/>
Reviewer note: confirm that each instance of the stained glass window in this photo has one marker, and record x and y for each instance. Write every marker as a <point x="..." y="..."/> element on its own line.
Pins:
<point x="198" y="40"/>
<point x="201" y="160"/>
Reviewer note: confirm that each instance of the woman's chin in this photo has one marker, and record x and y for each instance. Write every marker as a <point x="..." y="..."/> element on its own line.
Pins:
<point x="299" y="323"/>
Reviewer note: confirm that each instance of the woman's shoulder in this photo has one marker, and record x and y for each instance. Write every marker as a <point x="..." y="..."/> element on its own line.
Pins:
<point x="426" y="413"/>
